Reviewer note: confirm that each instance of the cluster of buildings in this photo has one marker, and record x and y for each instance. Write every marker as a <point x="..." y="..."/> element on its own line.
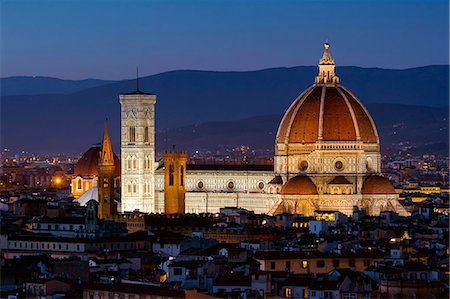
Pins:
<point x="235" y="253"/>
<point x="321" y="221"/>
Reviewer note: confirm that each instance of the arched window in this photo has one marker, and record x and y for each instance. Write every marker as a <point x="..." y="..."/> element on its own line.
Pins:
<point x="134" y="188"/>
<point x="181" y="176"/>
<point x="129" y="188"/>
<point x="132" y="134"/>
<point x="79" y="184"/>
<point x="171" y="171"/>
<point x="146" y="134"/>
<point x="134" y="164"/>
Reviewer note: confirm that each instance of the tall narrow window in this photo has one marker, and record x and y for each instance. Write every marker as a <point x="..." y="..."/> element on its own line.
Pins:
<point x="182" y="176"/>
<point x="134" y="164"/>
<point x="171" y="171"/>
<point x="129" y="164"/>
<point x="146" y="134"/>
<point x="134" y="188"/>
<point x="132" y="132"/>
<point x="80" y="185"/>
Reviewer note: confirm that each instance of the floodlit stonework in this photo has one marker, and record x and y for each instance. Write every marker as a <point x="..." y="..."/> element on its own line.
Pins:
<point x="327" y="157"/>
<point x="137" y="151"/>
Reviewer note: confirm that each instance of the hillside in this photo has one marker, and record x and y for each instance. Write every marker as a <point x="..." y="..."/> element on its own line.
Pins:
<point x="71" y="122"/>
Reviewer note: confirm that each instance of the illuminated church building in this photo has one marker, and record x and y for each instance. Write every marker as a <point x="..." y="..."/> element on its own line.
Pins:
<point x="327" y="157"/>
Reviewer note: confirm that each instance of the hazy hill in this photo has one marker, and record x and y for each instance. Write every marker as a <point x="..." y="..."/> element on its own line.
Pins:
<point x="26" y="85"/>
<point x="71" y="122"/>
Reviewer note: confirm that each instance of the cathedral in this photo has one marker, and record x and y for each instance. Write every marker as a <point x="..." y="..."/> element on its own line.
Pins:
<point x="327" y="157"/>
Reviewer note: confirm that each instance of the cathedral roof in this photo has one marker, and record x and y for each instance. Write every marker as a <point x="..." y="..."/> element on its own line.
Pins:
<point x="87" y="165"/>
<point x="326" y="111"/>
<point x="299" y="185"/>
<point x="377" y="185"/>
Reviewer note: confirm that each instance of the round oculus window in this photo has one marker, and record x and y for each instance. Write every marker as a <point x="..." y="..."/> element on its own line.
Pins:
<point x="261" y="185"/>
<point x="339" y="165"/>
<point x="200" y="185"/>
<point x="303" y="165"/>
<point x="230" y="185"/>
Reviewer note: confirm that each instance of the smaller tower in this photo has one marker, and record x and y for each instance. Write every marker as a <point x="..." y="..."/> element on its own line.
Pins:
<point x="107" y="205"/>
<point x="174" y="182"/>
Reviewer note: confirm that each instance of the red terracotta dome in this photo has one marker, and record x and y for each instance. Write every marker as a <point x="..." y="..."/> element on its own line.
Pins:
<point x="299" y="185"/>
<point x="340" y="116"/>
<point x="87" y="165"/>
<point x="377" y="185"/>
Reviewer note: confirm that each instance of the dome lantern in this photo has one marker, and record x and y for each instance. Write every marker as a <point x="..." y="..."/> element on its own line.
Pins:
<point x="326" y="68"/>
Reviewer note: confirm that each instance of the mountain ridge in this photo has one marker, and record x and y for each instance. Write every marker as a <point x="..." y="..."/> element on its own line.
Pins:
<point x="69" y="122"/>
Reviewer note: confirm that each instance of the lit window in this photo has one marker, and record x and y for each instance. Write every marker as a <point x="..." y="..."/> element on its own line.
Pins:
<point x="304" y="264"/>
<point x="288" y="292"/>
<point x="79" y="185"/>
<point x="305" y="293"/>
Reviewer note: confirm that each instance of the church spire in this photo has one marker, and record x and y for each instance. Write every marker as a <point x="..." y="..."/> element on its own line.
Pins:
<point x="106" y="154"/>
<point x="326" y="68"/>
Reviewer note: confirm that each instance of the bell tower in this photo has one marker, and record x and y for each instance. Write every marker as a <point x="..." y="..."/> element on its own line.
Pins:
<point x="138" y="151"/>
<point x="174" y="182"/>
<point x="107" y="205"/>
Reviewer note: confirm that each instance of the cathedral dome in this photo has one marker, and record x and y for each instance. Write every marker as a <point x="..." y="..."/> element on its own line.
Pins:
<point x="377" y="185"/>
<point x="87" y="165"/>
<point x="326" y="111"/>
<point x="299" y="185"/>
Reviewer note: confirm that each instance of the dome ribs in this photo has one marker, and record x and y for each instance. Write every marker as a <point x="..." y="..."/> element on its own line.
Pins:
<point x="337" y="120"/>
<point x="305" y="123"/>
<point x="367" y="128"/>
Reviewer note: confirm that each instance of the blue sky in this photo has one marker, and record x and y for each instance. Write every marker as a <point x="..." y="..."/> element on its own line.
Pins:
<point x="107" y="39"/>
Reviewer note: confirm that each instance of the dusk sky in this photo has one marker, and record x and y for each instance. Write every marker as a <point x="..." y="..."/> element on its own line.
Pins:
<point x="108" y="39"/>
